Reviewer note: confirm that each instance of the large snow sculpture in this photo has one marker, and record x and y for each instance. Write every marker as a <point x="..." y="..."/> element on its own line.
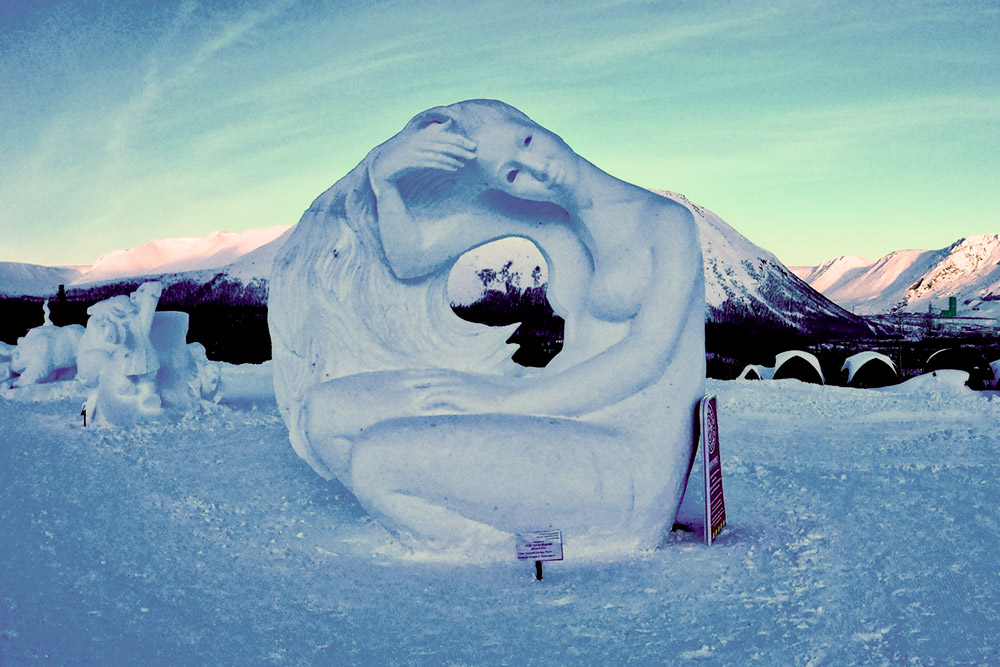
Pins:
<point x="422" y="415"/>
<point x="46" y="353"/>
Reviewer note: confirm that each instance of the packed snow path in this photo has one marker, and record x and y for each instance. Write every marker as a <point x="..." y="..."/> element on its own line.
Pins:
<point x="863" y="528"/>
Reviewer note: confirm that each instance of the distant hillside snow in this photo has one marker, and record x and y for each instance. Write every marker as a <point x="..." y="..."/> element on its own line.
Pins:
<point x="18" y="279"/>
<point x="831" y="273"/>
<point x="915" y="280"/>
<point x="178" y="255"/>
<point x="745" y="283"/>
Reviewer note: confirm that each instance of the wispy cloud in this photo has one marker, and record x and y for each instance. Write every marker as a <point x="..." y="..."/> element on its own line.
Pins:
<point x="669" y="31"/>
<point x="820" y="138"/>
<point x="171" y="65"/>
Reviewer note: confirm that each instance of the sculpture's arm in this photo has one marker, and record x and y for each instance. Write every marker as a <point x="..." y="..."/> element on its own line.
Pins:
<point x="411" y="248"/>
<point x="674" y="287"/>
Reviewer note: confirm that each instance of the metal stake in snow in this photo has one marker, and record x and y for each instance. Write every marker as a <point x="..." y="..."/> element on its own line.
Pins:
<point x="715" y="502"/>
<point x="84" y="413"/>
<point x="540" y="546"/>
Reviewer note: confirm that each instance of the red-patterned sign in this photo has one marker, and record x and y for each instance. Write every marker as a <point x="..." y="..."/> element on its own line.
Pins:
<point x="715" y="502"/>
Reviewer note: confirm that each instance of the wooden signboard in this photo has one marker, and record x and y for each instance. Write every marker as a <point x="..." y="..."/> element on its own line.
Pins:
<point x="715" y="501"/>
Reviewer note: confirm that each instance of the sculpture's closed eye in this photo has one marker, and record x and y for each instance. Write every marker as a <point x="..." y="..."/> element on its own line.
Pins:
<point x="527" y="140"/>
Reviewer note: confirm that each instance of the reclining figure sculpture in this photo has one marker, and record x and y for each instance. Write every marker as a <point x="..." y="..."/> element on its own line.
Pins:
<point x="422" y="415"/>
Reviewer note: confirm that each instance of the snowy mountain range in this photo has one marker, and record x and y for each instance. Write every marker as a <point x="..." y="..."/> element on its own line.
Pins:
<point x="915" y="280"/>
<point x="245" y="256"/>
<point x="743" y="281"/>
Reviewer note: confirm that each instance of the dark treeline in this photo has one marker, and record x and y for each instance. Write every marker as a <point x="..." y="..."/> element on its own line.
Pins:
<point x="540" y="336"/>
<point x="738" y="334"/>
<point x="230" y="320"/>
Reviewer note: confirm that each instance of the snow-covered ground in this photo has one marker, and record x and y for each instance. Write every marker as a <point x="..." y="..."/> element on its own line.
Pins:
<point x="863" y="527"/>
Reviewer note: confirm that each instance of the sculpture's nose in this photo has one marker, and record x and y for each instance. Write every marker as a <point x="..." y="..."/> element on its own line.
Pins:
<point x="537" y="165"/>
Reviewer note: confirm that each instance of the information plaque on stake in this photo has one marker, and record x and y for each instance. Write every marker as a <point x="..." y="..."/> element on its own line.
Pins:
<point x="715" y="501"/>
<point x="540" y="545"/>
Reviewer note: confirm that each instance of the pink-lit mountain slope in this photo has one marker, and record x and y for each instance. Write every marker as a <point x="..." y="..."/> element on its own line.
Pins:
<point x="831" y="273"/>
<point x="915" y="280"/>
<point x="245" y="256"/>
<point x="178" y="255"/>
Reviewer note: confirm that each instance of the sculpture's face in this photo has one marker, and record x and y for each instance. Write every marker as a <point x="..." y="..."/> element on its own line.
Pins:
<point x="527" y="161"/>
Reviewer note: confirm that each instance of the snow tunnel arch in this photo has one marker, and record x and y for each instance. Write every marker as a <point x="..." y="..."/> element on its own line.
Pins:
<point x="798" y="365"/>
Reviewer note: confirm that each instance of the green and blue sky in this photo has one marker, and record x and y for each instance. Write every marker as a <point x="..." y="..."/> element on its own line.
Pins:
<point x="815" y="128"/>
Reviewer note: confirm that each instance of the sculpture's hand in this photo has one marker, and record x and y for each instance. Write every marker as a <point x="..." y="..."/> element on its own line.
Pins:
<point x="436" y="146"/>
<point x="449" y="392"/>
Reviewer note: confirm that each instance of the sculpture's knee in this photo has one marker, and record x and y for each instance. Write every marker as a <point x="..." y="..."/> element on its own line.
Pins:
<point x="329" y="444"/>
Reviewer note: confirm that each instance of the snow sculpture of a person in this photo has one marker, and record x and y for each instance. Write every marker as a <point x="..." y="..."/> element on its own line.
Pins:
<point x="206" y="380"/>
<point x="117" y="357"/>
<point x="6" y="352"/>
<point x="420" y="414"/>
<point x="46" y="353"/>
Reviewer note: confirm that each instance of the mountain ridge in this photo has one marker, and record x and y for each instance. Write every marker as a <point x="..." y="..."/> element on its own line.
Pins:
<point x="917" y="280"/>
<point x="744" y="283"/>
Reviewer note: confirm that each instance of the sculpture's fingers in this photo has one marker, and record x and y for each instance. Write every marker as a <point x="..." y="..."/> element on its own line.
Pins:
<point x="455" y="150"/>
<point x="426" y="379"/>
<point x="447" y="131"/>
<point x="458" y="141"/>
<point x="444" y="163"/>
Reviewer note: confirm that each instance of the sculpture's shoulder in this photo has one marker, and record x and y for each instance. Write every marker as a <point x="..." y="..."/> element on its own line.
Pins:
<point x="671" y="228"/>
<point x="666" y="213"/>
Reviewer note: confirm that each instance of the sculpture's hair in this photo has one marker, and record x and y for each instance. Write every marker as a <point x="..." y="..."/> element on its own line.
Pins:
<point x="472" y="114"/>
<point x="332" y="291"/>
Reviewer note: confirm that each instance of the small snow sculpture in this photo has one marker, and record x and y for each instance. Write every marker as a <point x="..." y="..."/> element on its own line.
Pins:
<point x="117" y="355"/>
<point x="423" y="415"/>
<point x="206" y="383"/>
<point x="137" y="361"/>
<point x="119" y="327"/>
<point x="6" y="352"/>
<point x="46" y="353"/>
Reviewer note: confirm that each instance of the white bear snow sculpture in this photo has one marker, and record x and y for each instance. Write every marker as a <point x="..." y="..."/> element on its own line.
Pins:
<point x="422" y="415"/>
<point x="46" y="353"/>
